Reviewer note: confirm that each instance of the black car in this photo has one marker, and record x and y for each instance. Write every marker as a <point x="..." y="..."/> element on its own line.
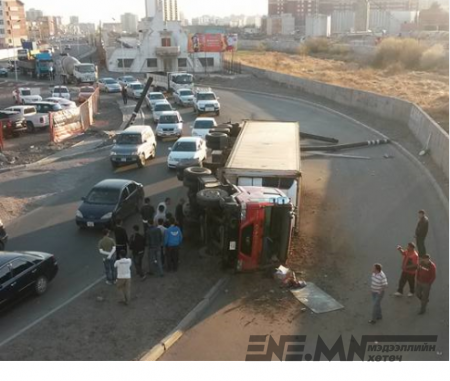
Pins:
<point x="3" y="72"/>
<point x="12" y="123"/>
<point x="3" y="236"/>
<point x="108" y="201"/>
<point x="25" y="272"/>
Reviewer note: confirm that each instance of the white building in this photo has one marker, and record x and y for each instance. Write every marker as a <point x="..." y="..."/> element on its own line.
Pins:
<point x="283" y="24"/>
<point x="129" y="22"/>
<point x="317" y="26"/>
<point x="34" y="14"/>
<point x="162" y="46"/>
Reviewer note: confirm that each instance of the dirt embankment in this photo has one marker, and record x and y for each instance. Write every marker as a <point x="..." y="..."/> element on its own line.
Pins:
<point x="430" y="90"/>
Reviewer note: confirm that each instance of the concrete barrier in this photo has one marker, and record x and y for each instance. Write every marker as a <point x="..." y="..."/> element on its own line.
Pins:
<point x="423" y="127"/>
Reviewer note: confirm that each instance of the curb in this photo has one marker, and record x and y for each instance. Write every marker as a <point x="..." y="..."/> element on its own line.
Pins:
<point x="163" y="346"/>
<point x="442" y="197"/>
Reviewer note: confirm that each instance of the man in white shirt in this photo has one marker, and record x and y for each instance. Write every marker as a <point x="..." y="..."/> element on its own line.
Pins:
<point x="123" y="266"/>
<point x="378" y="286"/>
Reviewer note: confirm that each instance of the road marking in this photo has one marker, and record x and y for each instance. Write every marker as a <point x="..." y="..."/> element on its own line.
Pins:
<point x="56" y="309"/>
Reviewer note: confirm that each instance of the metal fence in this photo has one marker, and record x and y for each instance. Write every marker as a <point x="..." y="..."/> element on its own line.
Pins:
<point x="232" y="66"/>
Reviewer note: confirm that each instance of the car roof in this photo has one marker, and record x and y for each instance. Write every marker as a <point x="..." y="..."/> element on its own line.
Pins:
<point x="42" y="103"/>
<point x="60" y="87"/>
<point x="105" y="78"/>
<point x="112" y="183"/>
<point x="162" y="102"/>
<point x="192" y="139"/>
<point x="9" y="112"/>
<point x="135" y="83"/>
<point x="87" y="87"/>
<point x="173" y="112"/>
<point x="156" y="93"/>
<point x="208" y="119"/>
<point x="134" y="130"/>
<point x="7" y="256"/>
<point x="20" y="107"/>
<point x="24" y="88"/>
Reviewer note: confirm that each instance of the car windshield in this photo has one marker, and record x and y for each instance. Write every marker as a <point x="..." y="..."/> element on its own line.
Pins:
<point x="183" y="79"/>
<point x="186" y="93"/>
<point x="156" y="96"/>
<point x="137" y="86"/>
<point x="163" y="107"/>
<point x="129" y="79"/>
<point x="87" y="90"/>
<point x="204" y="124"/>
<point x="110" y="81"/>
<point x="103" y="196"/>
<point x="206" y="97"/>
<point x="132" y="139"/>
<point x="60" y="90"/>
<point x="85" y="68"/>
<point x="184" y="147"/>
<point x="168" y="119"/>
<point x="26" y="92"/>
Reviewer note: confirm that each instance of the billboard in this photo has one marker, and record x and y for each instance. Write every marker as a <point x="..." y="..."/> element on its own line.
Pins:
<point x="212" y="43"/>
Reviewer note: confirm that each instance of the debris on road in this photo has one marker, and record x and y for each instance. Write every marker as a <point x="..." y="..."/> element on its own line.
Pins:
<point x="316" y="299"/>
<point x="288" y="278"/>
<point x="305" y="135"/>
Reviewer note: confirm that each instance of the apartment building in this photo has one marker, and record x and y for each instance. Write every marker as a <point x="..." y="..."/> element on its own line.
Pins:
<point x="12" y="23"/>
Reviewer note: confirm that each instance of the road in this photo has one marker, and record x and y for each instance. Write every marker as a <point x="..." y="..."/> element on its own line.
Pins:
<point x="376" y="203"/>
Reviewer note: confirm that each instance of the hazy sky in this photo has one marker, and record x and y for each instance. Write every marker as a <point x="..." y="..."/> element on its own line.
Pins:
<point x="94" y="10"/>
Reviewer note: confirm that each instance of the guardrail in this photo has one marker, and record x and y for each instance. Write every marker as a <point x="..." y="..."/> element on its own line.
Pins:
<point x="424" y="128"/>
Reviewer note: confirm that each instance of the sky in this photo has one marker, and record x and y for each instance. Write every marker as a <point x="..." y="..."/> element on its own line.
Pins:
<point x="94" y="10"/>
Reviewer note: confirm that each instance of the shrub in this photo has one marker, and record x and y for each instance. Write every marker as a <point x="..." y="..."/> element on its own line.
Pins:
<point x="433" y="58"/>
<point x="317" y="45"/>
<point x="406" y="52"/>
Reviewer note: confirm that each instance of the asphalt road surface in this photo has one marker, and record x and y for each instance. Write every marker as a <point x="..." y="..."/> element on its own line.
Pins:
<point x="378" y="200"/>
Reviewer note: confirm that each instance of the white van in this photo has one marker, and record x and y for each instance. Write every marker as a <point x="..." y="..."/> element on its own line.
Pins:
<point x="33" y="118"/>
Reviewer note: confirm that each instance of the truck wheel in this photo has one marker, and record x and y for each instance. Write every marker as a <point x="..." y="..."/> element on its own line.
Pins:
<point x="30" y="127"/>
<point x="217" y="140"/>
<point x="192" y="173"/>
<point x="210" y="198"/>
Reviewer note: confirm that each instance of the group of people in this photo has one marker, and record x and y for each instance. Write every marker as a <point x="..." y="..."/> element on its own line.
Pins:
<point x="161" y="238"/>
<point x="418" y="271"/>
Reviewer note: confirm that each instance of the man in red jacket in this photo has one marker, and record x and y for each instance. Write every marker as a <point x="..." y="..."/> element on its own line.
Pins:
<point x="426" y="274"/>
<point x="409" y="267"/>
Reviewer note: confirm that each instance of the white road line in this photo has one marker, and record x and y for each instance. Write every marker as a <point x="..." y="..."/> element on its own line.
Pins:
<point x="56" y="309"/>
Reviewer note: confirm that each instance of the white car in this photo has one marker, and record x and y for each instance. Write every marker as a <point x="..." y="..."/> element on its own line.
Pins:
<point x="184" y="97"/>
<point x="109" y="85"/>
<point x="61" y="92"/>
<point x="126" y="80"/>
<point x="205" y="102"/>
<point x="65" y="104"/>
<point x="23" y="95"/>
<point x="191" y="148"/>
<point x="33" y="118"/>
<point x="159" y="108"/>
<point x="152" y="98"/>
<point x="135" y="90"/>
<point x="170" y="125"/>
<point x="202" y="126"/>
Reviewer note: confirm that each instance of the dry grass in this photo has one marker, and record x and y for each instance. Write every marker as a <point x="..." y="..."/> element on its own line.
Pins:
<point x="430" y="90"/>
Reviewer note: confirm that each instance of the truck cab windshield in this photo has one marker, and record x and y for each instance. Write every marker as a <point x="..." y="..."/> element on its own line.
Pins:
<point x="182" y="79"/>
<point x="85" y="68"/>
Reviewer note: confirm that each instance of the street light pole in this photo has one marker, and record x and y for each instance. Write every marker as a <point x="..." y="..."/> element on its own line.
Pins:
<point x="15" y="52"/>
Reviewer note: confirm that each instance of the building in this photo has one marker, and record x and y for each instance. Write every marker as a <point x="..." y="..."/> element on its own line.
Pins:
<point x="57" y="22"/>
<point x="34" y="14"/>
<point x="74" y="20"/>
<point x="87" y="28"/>
<point x="13" y="26"/>
<point x="299" y="9"/>
<point x="318" y="26"/>
<point x="362" y="16"/>
<point x="170" y="10"/>
<point x="129" y="23"/>
<point x="283" y="24"/>
<point x="115" y="27"/>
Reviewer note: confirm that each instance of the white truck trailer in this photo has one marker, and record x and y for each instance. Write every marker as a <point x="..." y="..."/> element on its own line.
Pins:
<point x="171" y="81"/>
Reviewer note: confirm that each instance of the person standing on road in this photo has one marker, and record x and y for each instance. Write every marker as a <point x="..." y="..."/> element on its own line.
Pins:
<point x="172" y="241"/>
<point x="121" y="237"/>
<point x="124" y="94"/>
<point x="147" y="213"/>
<point x="426" y="275"/>
<point x="137" y="247"/>
<point x="421" y="233"/>
<point x="163" y="233"/>
<point x="378" y="287"/>
<point x="123" y="266"/>
<point x="154" y="239"/>
<point x="409" y="267"/>
<point x="160" y="214"/>
<point x="107" y="248"/>
<point x="179" y="215"/>
<point x="166" y="203"/>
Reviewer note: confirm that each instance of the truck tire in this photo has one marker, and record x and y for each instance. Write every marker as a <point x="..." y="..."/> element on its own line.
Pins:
<point x="223" y="130"/>
<point x="192" y="173"/>
<point x="235" y="130"/>
<point x="210" y="198"/>
<point x="217" y="140"/>
<point x="30" y="127"/>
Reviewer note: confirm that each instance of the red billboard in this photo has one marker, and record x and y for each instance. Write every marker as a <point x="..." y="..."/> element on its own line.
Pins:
<point x="212" y="43"/>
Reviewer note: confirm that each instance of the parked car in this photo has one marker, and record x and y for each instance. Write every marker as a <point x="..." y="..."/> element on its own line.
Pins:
<point x="3" y="72"/>
<point x="85" y="93"/>
<point x="33" y="118"/>
<point x="109" y="85"/>
<point x="135" y="90"/>
<point x="23" y="95"/>
<point x="126" y="80"/>
<point x="184" y="97"/>
<point x="202" y="126"/>
<point x="12" y="123"/>
<point x="134" y="145"/>
<point x="205" y="101"/>
<point x="25" y="272"/>
<point x="3" y="236"/>
<point x="63" y="102"/>
<point x="68" y="47"/>
<point x="108" y="201"/>
<point x="61" y="92"/>
<point x="46" y="107"/>
<point x="170" y="124"/>
<point x="152" y="98"/>
<point x="159" y="108"/>
<point x="188" y="148"/>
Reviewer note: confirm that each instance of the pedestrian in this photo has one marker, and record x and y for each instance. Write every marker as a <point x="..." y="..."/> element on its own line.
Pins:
<point x="166" y="203"/>
<point x="160" y="214"/>
<point x="421" y="233"/>
<point x="123" y="266"/>
<point x="163" y="233"/>
<point x="169" y="216"/>
<point x="107" y="248"/>
<point x="147" y="213"/>
<point x="154" y="240"/>
<point x="179" y="215"/>
<point x="121" y="237"/>
<point x="124" y="94"/>
<point x="409" y="267"/>
<point x="172" y="241"/>
<point x="426" y="275"/>
<point x="378" y="287"/>
<point x="137" y="247"/>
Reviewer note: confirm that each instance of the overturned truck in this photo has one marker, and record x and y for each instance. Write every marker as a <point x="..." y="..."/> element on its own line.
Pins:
<point x="244" y="201"/>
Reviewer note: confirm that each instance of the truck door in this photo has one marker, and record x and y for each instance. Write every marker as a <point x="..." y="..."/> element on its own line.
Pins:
<point x="250" y="240"/>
